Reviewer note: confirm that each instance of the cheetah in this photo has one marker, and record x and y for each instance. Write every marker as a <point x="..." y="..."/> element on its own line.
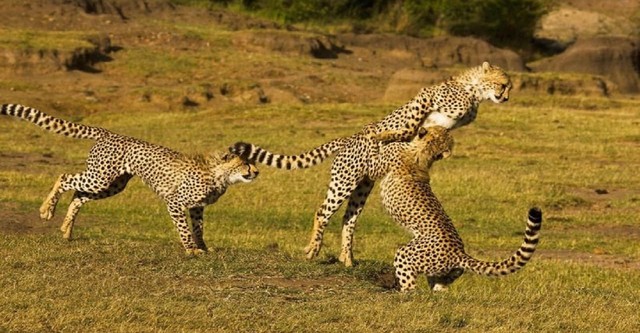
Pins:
<point x="450" y="104"/>
<point x="436" y="248"/>
<point x="185" y="183"/>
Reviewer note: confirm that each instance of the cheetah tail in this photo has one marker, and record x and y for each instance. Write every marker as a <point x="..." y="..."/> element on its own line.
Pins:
<point x="518" y="259"/>
<point x="51" y="123"/>
<point x="307" y="159"/>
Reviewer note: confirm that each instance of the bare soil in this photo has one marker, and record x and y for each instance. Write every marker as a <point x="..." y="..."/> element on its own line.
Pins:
<point x="15" y="221"/>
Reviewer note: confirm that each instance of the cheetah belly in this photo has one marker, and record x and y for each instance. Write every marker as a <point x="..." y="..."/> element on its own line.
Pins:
<point x="439" y="119"/>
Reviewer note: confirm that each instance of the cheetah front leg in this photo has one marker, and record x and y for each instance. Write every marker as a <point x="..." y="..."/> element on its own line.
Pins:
<point x="356" y="203"/>
<point x="179" y="218"/>
<point x="197" y="219"/>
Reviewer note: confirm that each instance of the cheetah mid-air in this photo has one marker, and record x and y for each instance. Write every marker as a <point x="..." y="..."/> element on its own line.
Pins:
<point x="450" y="104"/>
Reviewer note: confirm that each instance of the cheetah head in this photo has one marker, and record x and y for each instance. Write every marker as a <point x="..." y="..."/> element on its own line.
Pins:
<point x="493" y="83"/>
<point x="238" y="170"/>
<point x="432" y="144"/>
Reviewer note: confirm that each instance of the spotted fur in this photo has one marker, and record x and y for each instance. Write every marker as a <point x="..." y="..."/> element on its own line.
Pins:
<point x="185" y="183"/>
<point x="436" y="249"/>
<point x="450" y="104"/>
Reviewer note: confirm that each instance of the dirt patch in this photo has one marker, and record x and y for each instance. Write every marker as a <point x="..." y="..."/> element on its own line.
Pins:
<point x="602" y="193"/>
<point x="591" y="259"/>
<point x="619" y="231"/>
<point x="15" y="221"/>
<point x="597" y="258"/>
<point x="29" y="162"/>
<point x="300" y="284"/>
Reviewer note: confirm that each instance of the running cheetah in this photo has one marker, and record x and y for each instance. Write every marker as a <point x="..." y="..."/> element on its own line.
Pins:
<point x="185" y="183"/>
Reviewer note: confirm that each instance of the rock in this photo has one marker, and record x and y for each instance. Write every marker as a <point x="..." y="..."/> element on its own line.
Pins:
<point x="615" y="58"/>
<point x="315" y="45"/>
<point x="562" y="27"/>
<point x="439" y="52"/>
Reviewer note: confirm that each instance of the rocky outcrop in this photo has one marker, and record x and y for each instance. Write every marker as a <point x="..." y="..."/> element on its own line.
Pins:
<point x="614" y="58"/>
<point x="562" y="27"/>
<point x="439" y="52"/>
<point x="84" y="57"/>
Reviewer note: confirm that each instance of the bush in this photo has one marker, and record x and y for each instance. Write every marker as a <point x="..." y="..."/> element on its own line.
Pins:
<point x="507" y="23"/>
<point x="501" y="22"/>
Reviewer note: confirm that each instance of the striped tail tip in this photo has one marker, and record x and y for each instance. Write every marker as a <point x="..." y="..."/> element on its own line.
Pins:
<point x="535" y="215"/>
<point x="241" y="149"/>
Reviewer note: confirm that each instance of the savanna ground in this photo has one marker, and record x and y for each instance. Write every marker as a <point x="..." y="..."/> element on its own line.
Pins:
<point x="575" y="157"/>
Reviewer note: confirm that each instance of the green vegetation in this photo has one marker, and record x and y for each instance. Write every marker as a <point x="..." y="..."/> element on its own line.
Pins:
<point x="126" y="270"/>
<point x="43" y="40"/>
<point x="507" y="23"/>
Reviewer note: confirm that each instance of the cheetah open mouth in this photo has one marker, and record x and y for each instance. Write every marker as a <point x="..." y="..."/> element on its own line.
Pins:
<point x="438" y="157"/>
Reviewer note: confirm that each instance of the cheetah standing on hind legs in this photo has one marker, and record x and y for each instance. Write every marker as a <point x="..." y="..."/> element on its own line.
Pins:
<point x="185" y="183"/>
<point x="450" y="104"/>
<point x="436" y="249"/>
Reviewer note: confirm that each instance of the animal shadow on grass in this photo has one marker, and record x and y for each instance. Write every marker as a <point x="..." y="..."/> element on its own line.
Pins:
<point x="375" y="272"/>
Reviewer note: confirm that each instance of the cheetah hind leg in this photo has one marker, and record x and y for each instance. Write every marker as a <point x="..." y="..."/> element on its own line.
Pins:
<point x="91" y="181"/>
<point x="356" y="203"/>
<point x="441" y="283"/>
<point x="48" y="207"/>
<point x="331" y="204"/>
<point x="405" y="271"/>
<point x="80" y="198"/>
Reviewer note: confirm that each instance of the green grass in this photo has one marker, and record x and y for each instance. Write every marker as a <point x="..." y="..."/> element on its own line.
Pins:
<point x="44" y="40"/>
<point x="126" y="271"/>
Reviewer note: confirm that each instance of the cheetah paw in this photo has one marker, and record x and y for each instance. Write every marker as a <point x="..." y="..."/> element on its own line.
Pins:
<point x="195" y="251"/>
<point x="312" y="250"/>
<point x="46" y="212"/>
<point x="440" y="288"/>
<point x="67" y="234"/>
<point x="346" y="259"/>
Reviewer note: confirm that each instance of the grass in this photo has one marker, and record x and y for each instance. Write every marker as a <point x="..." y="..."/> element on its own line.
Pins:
<point x="125" y="271"/>
<point x="28" y="40"/>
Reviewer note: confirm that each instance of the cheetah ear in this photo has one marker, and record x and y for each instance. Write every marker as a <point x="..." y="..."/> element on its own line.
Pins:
<point x="486" y="66"/>
<point x="422" y="132"/>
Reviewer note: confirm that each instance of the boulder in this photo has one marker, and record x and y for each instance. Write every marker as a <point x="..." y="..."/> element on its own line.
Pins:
<point x="562" y="27"/>
<point x="614" y="58"/>
<point x="439" y="52"/>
